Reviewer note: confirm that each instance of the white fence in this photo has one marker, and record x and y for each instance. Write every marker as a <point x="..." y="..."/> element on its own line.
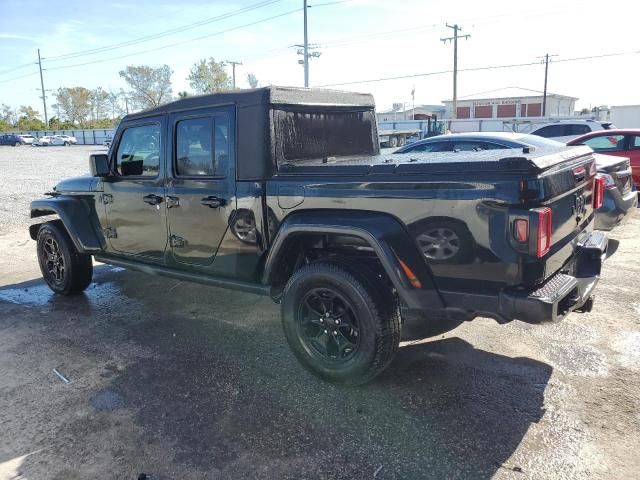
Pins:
<point x="85" y="137"/>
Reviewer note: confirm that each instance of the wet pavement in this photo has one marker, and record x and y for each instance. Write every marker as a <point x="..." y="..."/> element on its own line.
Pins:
<point x="181" y="381"/>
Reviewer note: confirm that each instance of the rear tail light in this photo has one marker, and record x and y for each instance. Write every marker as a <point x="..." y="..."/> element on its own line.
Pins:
<point x="533" y="234"/>
<point x="598" y="192"/>
<point x="544" y="231"/>
<point x="521" y="230"/>
<point x="609" y="182"/>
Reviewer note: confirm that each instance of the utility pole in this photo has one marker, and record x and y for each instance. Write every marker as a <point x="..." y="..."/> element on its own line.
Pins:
<point x="454" y="39"/>
<point x="306" y="47"/>
<point x="233" y="67"/>
<point x="545" y="60"/>
<point x="44" y="98"/>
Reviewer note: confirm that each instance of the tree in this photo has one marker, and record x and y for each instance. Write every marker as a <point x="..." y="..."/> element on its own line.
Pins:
<point x="150" y="86"/>
<point x="253" y="81"/>
<point x="209" y="76"/>
<point x="183" y="94"/>
<point x="7" y="114"/>
<point x="74" y="104"/>
<point x="115" y="103"/>
<point x="99" y="103"/>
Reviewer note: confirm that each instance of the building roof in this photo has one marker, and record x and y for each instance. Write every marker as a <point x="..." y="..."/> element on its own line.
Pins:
<point x="432" y="107"/>
<point x="509" y="93"/>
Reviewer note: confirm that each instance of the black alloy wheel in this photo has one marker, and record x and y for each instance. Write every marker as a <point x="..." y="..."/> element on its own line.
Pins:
<point x="328" y="325"/>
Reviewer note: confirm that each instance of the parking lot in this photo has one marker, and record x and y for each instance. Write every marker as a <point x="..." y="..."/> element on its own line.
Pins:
<point x="182" y="381"/>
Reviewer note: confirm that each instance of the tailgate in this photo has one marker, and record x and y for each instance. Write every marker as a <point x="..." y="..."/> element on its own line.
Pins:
<point x="566" y="186"/>
<point x="619" y="168"/>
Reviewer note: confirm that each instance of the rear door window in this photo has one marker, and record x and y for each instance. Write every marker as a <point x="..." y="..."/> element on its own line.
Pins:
<point x="429" y="147"/>
<point x="550" y="131"/>
<point x="202" y="146"/>
<point x="634" y="143"/>
<point x="576" y="129"/>
<point x="606" y="143"/>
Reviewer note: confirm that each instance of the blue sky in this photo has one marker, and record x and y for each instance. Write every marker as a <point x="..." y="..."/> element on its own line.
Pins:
<point x="359" y="40"/>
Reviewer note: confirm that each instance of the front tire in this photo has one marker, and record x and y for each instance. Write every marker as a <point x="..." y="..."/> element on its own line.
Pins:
<point x="66" y="271"/>
<point x="342" y="326"/>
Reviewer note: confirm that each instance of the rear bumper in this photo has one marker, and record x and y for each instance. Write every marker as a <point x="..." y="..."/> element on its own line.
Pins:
<point x="615" y="208"/>
<point x="563" y="292"/>
<point x="568" y="290"/>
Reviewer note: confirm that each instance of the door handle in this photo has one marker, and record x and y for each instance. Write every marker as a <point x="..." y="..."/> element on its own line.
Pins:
<point x="213" y="202"/>
<point x="152" y="199"/>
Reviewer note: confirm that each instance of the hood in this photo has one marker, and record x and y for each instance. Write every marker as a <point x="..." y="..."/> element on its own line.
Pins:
<point x="78" y="185"/>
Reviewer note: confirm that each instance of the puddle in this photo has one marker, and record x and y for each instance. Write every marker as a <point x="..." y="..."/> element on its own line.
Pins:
<point x="107" y="401"/>
<point x="36" y="296"/>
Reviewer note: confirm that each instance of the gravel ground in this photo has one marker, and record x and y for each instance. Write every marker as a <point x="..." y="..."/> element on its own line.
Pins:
<point x="182" y="381"/>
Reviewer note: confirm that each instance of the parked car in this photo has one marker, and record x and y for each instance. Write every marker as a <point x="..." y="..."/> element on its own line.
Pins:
<point x="348" y="241"/>
<point x="26" y="139"/>
<point x="618" y="142"/>
<point x="476" y="142"/>
<point x="42" y="141"/>
<point x="620" y="196"/>
<point x="65" y="140"/>
<point x="11" y="139"/>
<point x="566" y="130"/>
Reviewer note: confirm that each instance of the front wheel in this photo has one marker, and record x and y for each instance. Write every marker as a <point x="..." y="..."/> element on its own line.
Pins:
<point x="66" y="144"/>
<point x="342" y="326"/>
<point x="17" y="144"/>
<point x="65" y="270"/>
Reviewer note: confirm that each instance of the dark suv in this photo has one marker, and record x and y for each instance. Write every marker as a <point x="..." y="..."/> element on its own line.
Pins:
<point x="283" y="192"/>
<point x="11" y="139"/>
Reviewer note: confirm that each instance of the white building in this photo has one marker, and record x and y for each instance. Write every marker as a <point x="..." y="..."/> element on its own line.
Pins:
<point x="421" y="112"/>
<point x="513" y="103"/>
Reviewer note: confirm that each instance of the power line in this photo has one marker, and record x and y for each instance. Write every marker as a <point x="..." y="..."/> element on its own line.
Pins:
<point x="475" y="69"/>
<point x="176" y="43"/>
<point x="18" y="78"/>
<point x="155" y="36"/>
<point x="19" y="67"/>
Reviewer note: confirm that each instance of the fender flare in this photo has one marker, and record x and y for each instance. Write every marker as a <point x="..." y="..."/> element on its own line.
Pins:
<point x="75" y="216"/>
<point x="384" y="233"/>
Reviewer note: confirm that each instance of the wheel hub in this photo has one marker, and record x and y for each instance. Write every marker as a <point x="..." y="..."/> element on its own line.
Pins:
<point x="328" y="325"/>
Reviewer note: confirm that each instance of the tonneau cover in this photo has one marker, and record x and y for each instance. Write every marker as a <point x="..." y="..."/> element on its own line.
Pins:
<point x="507" y="160"/>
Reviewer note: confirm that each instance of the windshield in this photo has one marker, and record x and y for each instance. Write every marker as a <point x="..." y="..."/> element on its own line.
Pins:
<point x="304" y="134"/>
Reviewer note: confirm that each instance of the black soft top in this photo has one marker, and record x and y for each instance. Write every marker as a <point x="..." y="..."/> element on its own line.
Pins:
<point x="263" y="96"/>
<point x="254" y="145"/>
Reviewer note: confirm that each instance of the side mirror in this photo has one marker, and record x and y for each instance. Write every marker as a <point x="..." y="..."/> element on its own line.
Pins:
<point x="99" y="164"/>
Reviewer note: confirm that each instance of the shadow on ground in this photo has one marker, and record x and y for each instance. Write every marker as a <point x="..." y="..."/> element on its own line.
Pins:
<point x="223" y="389"/>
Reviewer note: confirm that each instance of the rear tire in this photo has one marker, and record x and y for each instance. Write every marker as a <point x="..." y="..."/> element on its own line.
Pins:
<point x="342" y="326"/>
<point x="17" y="144"/>
<point x="66" y="144"/>
<point x="66" y="271"/>
<point x="393" y="142"/>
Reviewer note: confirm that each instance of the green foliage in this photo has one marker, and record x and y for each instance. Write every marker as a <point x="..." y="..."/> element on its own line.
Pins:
<point x="74" y="104"/>
<point x="252" y="80"/>
<point x="149" y="87"/>
<point x="209" y="76"/>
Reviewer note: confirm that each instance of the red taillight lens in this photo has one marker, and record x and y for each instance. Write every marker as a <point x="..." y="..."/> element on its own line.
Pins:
<point x="544" y="231"/>
<point x="609" y="182"/>
<point x="598" y="192"/>
<point x="521" y="230"/>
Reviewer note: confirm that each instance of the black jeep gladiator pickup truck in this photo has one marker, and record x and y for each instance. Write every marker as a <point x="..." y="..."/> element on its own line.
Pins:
<point x="283" y="192"/>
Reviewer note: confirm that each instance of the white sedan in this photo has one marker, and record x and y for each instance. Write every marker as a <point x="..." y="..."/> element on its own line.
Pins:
<point x="65" y="140"/>
<point x="42" y="141"/>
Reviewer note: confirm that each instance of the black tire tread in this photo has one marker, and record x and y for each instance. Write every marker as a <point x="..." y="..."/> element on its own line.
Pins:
<point x="382" y="307"/>
<point x="81" y="271"/>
